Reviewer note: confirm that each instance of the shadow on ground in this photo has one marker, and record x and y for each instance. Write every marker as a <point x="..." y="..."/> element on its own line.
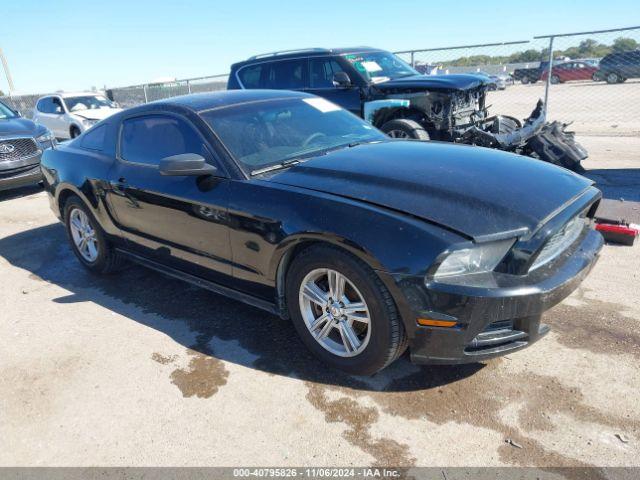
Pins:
<point x="19" y="192"/>
<point x="182" y="311"/>
<point x="617" y="183"/>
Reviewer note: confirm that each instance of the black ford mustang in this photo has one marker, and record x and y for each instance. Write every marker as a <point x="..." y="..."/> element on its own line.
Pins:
<point x="291" y="204"/>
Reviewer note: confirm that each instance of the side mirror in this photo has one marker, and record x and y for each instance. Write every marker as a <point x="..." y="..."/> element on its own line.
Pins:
<point x="18" y="113"/>
<point x="186" y="164"/>
<point x="341" y="80"/>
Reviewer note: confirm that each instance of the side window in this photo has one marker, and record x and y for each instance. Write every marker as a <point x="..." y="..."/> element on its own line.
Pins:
<point x="321" y="71"/>
<point x="250" y="76"/>
<point x="45" y="105"/>
<point x="151" y="138"/>
<point x="57" y="105"/>
<point x="94" y="138"/>
<point x="287" y="75"/>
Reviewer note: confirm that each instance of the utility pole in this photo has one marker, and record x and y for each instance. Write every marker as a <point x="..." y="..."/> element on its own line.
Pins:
<point x="7" y="74"/>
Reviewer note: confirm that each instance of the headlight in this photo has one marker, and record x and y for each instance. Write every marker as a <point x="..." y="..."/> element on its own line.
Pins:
<point x="479" y="258"/>
<point x="46" y="138"/>
<point x="88" y="122"/>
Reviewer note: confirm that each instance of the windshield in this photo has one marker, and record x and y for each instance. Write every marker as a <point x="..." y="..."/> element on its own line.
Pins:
<point x="87" y="102"/>
<point x="6" y="112"/>
<point x="380" y="66"/>
<point x="268" y="133"/>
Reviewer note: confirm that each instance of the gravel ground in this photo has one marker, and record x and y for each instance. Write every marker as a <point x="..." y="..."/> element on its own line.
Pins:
<point x="595" y="108"/>
<point x="139" y="369"/>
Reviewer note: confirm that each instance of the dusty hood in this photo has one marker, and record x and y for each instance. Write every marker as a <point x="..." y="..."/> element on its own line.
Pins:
<point x="19" y="126"/>
<point x="437" y="82"/>
<point x="476" y="191"/>
<point x="97" y="113"/>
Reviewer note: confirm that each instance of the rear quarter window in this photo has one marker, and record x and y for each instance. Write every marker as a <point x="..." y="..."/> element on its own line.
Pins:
<point x="250" y="76"/>
<point x="94" y="138"/>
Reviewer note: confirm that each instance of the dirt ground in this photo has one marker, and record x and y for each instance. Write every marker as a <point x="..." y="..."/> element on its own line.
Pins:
<point x="139" y="369"/>
<point x="594" y="108"/>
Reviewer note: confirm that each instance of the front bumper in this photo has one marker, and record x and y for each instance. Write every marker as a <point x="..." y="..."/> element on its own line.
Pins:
<point x="492" y="320"/>
<point x="20" y="177"/>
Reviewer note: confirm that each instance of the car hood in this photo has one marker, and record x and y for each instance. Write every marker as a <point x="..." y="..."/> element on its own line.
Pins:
<point x="478" y="192"/>
<point x="97" y="113"/>
<point x="436" y="82"/>
<point x="19" y="126"/>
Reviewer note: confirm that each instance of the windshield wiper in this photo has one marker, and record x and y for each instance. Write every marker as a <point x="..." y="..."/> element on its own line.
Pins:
<point x="277" y="166"/>
<point x="299" y="157"/>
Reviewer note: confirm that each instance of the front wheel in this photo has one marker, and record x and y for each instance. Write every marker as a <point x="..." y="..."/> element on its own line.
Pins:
<point x="555" y="79"/>
<point x="405" y="129"/>
<point x="525" y="80"/>
<point x="343" y="312"/>
<point x="74" y="132"/>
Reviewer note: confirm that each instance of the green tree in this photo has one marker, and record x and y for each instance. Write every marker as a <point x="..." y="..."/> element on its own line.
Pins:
<point x="622" y="44"/>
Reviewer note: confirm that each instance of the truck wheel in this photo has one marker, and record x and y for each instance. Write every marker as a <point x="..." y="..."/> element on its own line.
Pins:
<point x="405" y="128"/>
<point x="525" y="80"/>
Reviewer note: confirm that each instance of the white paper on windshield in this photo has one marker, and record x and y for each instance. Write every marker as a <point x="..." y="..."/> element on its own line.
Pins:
<point x="321" y="104"/>
<point x="371" y="66"/>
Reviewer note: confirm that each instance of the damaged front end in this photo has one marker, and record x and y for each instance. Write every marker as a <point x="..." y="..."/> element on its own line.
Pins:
<point x="452" y="108"/>
<point x="535" y="138"/>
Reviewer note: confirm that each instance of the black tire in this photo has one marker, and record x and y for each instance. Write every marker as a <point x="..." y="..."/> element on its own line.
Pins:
<point x="74" y="131"/>
<point x="595" y="77"/>
<point x="614" y="77"/>
<point x="387" y="339"/>
<point x="405" y="128"/>
<point x="525" y="80"/>
<point x="108" y="260"/>
<point x="555" y="79"/>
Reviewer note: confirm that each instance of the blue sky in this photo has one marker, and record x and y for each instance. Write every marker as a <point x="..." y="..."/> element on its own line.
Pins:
<point x="69" y="44"/>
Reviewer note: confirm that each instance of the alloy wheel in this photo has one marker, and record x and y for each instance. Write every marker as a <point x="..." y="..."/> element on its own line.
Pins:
<point x="398" y="134"/>
<point x="84" y="235"/>
<point x="335" y="312"/>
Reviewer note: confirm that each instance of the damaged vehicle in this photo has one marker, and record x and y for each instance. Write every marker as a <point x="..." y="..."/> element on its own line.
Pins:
<point x="369" y="244"/>
<point x="384" y="90"/>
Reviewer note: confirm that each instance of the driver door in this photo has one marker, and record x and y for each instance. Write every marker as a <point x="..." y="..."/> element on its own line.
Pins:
<point x="178" y="221"/>
<point x="321" y="72"/>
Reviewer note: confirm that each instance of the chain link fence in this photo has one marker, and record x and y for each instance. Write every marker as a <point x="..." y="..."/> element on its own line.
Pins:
<point x="138" y="94"/>
<point x="594" y="81"/>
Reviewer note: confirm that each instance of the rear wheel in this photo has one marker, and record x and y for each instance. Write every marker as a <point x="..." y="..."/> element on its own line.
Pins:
<point x="405" y="128"/>
<point x="74" y="131"/>
<point x="555" y="79"/>
<point x="525" y="80"/>
<point x="343" y="312"/>
<point x="87" y="239"/>
<point x="613" y="77"/>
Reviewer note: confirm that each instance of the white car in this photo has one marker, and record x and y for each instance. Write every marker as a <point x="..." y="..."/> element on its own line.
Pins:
<point x="67" y="115"/>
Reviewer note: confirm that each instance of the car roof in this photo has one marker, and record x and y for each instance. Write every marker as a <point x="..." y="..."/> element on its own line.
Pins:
<point x="304" y="52"/>
<point x="70" y="94"/>
<point x="222" y="98"/>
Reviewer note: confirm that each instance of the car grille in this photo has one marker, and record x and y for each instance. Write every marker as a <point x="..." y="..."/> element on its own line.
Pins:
<point x="17" y="148"/>
<point x="560" y="241"/>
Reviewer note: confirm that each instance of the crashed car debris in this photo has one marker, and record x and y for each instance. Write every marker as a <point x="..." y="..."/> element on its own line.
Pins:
<point x="394" y="97"/>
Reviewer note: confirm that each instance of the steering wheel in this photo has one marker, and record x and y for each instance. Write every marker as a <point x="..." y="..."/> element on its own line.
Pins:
<point x="312" y="137"/>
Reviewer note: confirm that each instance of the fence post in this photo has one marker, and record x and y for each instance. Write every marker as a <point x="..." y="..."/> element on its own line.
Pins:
<point x="546" y="90"/>
<point x="144" y="89"/>
<point x="413" y="63"/>
<point x="189" y="86"/>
